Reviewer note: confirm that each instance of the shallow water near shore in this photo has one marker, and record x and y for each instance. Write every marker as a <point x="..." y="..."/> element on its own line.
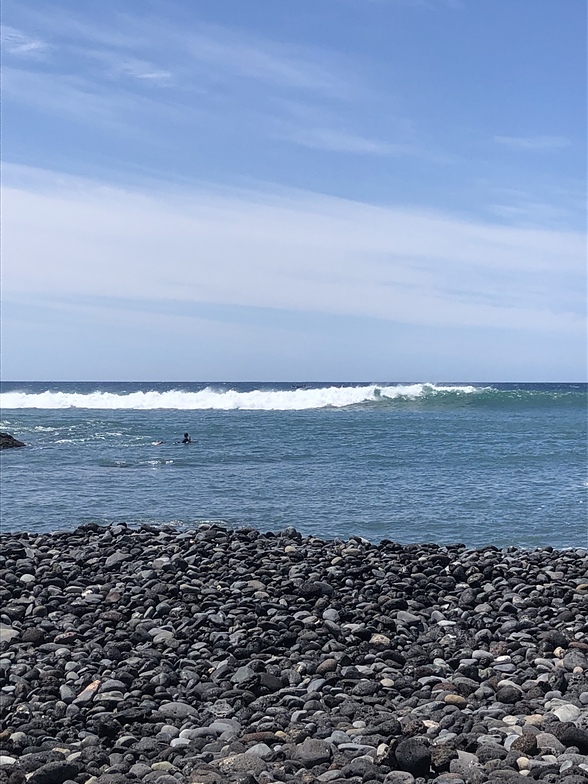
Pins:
<point x="500" y="464"/>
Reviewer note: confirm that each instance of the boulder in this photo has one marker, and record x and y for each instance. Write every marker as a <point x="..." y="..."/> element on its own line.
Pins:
<point x="7" y="441"/>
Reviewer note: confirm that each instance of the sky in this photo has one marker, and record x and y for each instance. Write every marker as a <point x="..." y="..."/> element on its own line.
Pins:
<point x="375" y="190"/>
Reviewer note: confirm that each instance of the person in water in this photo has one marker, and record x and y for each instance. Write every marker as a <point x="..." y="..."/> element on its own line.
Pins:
<point x="186" y="439"/>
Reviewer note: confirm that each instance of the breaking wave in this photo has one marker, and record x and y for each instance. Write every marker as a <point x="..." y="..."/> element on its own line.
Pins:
<point x="230" y="399"/>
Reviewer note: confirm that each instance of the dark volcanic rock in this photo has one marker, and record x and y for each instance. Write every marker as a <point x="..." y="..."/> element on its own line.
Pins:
<point x="7" y="441"/>
<point x="441" y="756"/>
<point x="575" y="736"/>
<point x="527" y="744"/>
<point x="414" y="756"/>
<point x="508" y="694"/>
<point x="211" y="655"/>
<point x="54" y="773"/>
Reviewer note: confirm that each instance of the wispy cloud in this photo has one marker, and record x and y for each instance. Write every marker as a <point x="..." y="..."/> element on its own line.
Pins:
<point x="340" y="141"/>
<point x="538" y="143"/>
<point x="67" y="95"/>
<point x="531" y="213"/>
<point x="273" y="62"/>
<point x="213" y="51"/>
<point x="542" y="203"/>
<point x="452" y="4"/>
<point x="208" y="70"/>
<point x="118" y="64"/>
<point x="291" y="250"/>
<point x="331" y="129"/>
<point x="141" y="69"/>
<point x="15" y="42"/>
<point x="63" y="24"/>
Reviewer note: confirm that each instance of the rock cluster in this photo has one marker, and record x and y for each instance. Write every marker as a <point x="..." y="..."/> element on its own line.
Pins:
<point x="211" y="655"/>
<point x="7" y="441"/>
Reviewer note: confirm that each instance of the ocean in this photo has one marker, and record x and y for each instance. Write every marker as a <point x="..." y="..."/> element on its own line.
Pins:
<point x="482" y="464"/>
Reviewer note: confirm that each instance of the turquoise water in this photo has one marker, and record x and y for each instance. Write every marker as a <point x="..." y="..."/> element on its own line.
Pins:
<point x="482" y="464"/>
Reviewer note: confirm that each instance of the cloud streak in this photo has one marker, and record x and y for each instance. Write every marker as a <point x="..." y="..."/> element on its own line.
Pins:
<point x="144" y="70"/>
<point x="71" y="97"/>
<point x="533" y="143"/>
<point x="285" y="65"/>
<point x="15" y="42"/>
<point x="211" y="52"/>
<point x="291" y="250"/>
<point x="209" y="71"/>
<point x="340" y="141"/>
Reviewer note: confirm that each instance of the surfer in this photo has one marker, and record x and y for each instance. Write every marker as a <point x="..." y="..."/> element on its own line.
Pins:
<point x="186" y="439"/>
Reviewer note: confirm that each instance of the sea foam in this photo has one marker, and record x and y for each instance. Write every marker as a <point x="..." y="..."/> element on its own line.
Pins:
<point x="230" y="399"/>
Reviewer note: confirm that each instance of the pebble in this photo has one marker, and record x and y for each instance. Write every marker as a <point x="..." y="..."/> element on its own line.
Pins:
<point x="210" y="655"/>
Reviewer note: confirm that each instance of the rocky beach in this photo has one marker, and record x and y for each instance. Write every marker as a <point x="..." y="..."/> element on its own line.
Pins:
<point x="213" y="655"/>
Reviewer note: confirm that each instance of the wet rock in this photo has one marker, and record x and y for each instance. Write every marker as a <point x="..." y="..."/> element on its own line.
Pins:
<point x="8" y="442"/>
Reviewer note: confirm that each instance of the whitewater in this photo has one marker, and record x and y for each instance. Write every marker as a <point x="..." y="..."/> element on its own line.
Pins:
<point x="228" y="400"/>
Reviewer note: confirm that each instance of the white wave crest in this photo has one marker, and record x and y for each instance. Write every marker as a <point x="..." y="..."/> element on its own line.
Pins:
<point x="228" y="400"/>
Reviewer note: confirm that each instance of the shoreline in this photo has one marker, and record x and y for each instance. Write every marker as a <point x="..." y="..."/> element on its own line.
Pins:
<point x="180" y="527"/>
<point x="216" y="654"/>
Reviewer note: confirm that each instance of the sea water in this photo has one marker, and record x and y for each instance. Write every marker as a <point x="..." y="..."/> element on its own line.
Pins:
<point x="483" y="464"/>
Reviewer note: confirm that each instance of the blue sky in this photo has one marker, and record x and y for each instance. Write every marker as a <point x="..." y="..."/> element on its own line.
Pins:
<point x="326" y="189"/>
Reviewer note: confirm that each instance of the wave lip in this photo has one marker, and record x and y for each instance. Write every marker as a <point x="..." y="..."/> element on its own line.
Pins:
<point x="229" y="400"/>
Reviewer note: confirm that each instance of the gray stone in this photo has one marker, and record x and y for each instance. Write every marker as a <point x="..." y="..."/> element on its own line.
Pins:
<point x="365" y="688"/>
<point x="139" y="769"/>
<point x="468" y="767"/>
<point x="338" y="737"/>
<point x="399" y="777"/>
<point x="179" y="742"/>
<point x="328" y="665"/>
<point x="575" y="658"/>
<point x="408" y="618"/>
<point x="360" y="766"/>
<point x="567" y="712"/>
<point x="243" y="674"/>
<point x="116" y="558"/>
<point x="177" y="710"/>
<point x="549" y="743"/>
<point x="313" y="752"/>
<point x="242" y="763"/>
<point x="260" y="750"/>
<point x="7" y="633"/>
